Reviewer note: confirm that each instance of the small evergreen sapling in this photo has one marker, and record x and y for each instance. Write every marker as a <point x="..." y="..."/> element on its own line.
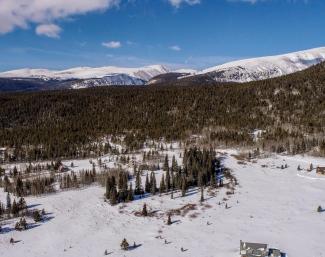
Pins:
<point x="124" y="245"/>
<point x="169" y="220"/>
<point x="144" y="210"/>
<point x="37" y="216"/>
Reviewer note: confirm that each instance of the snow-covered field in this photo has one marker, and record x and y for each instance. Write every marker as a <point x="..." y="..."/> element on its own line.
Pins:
<point x="271" y="205"/>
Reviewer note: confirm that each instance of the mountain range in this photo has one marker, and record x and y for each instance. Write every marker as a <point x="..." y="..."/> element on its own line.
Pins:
<point x="84" y="77"/>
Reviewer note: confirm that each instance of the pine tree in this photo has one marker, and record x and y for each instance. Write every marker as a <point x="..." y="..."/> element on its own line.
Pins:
<point x="2" y="171"/>
<point x="213" y="179"/>
<point x="169" y="220"/>
<point x="2" y="210"/>
<point x="319" y="209"/>
<point x="19" y="187"/>
<point x="130" y="196"/>
<point x="147" y="184"/>
<point x="144" y="210"/>
<point x="14" y="208"/>
<point x="22" y="204"/>
<point x="134" y="170"/>
<point x="124" y="245"/>
<point x="15" y="171"/>
<point x="21" y="224"/>
<point x="167" y="183"/>
<point x="113" y="196"/>
<point x="166" y="165"/>
<point x="162" y="187"/>
<point x="7" y="183"/>
<point x="183" y="187"/>
<point x="37" y="216"/>
<point x="138" y="183"/>
<point x="202" y="195"/>
<point x="153" y="184"/>
<point x="174" y="164"/>
<point x="8" y="205"/>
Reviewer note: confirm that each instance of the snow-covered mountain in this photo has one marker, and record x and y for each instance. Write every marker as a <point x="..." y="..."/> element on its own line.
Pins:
<point x="111" y="80"/>
<point x="238" y="71"/>
<point x="265" y="67"/>
<point x="188" y="71"/>
<point x="115" y="73"/>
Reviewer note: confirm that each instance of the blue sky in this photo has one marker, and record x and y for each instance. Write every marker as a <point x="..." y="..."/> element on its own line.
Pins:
<point x="178" y="33"/>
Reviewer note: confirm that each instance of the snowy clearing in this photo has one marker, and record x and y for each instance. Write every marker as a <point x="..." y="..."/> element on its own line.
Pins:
<point x="271" y="205"/>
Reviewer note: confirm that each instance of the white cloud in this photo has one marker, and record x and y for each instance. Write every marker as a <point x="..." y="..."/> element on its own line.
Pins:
<point x="22" y="13"/>
<point x="177" y="3"/>
<point x="49" y="30"/>
<point x="175" y="48"/>
<point x="112" y="44"/>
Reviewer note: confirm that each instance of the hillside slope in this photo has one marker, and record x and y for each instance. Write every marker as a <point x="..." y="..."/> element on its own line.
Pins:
<point x="265" y="67"/>
<point x="289" y="108"/>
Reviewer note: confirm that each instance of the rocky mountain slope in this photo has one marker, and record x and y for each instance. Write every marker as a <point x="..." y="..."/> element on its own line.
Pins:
<point x="265" y="67"/>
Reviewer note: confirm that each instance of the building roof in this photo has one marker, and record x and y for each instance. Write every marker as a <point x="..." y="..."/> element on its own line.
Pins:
<point x="256" y="246"/>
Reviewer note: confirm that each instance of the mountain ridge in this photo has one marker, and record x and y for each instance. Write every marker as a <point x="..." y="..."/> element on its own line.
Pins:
<point x="247" y="70"/>
<point x="144" y="73"/>
<point x="260" y="68"/>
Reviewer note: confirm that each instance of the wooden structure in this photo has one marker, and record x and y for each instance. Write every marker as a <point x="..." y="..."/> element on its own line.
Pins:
<point x="320" y="170"/>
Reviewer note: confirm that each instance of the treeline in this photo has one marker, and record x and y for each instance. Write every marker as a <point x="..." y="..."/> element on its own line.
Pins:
<point x="200" y="168"/>
<point x="45" y="184"/>
<point x="65" y="124"/>
<point x="49" y="180"/>
<point x="19" y="208"/>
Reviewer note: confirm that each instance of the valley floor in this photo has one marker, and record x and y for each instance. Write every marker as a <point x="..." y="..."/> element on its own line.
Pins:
<point x="271" y="205"/>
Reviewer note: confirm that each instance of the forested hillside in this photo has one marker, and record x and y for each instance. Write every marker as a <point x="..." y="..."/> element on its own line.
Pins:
<point x="54" y="124"/>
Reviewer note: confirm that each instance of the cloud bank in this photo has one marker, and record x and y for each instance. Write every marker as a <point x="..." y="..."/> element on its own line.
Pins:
<point x="44" y="13"/>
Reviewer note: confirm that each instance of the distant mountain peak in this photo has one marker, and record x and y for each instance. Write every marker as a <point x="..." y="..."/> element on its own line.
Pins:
<point x="143" y="73"/>
<point x="240" y="71"/>
<point x="265" y="67"/>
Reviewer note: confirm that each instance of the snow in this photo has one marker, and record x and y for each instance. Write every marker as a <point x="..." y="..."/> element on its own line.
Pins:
<point x="144" y="73"/>
<point x="266" y="67"/>
<point x="257" y="134"/>
<point x="271" y="205"/>
<point x="110" y="80"/>
<point x="237" y="71"/>
<point x="189" y="71"/>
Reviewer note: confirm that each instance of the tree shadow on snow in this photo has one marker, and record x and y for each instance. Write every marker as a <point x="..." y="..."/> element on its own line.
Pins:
<point x="133" y="247"/>
<point x="33" y="225"/>
<point x="140" y="197"/>
<point x="6" y="230"/>
<point x="32" y="206"/>
<point x="188" y="193"/>
<point x="9" y="225"/>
